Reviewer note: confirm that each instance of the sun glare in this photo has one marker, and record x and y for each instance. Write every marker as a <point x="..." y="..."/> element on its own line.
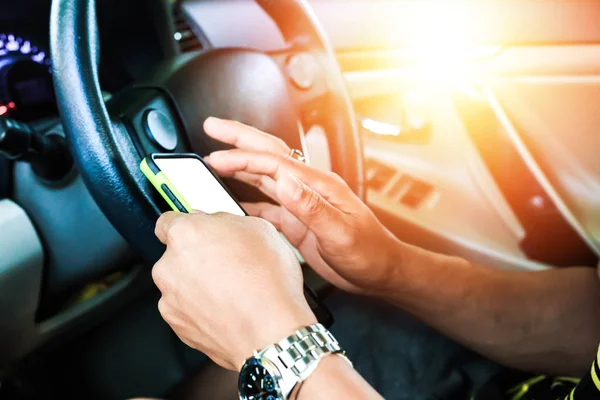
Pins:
<point x="442" y="45"/>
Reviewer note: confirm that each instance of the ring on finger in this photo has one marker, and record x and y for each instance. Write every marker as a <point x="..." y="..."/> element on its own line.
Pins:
<point x="297" y="155"/>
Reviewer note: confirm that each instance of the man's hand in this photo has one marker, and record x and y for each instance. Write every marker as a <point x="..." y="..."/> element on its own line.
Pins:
<point x="332" y="228"/>
<point x="230" y="285"/>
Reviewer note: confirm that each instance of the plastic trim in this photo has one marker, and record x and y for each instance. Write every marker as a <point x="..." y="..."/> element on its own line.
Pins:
<point x="21" y="267"/>
<point x="535" y="169"/>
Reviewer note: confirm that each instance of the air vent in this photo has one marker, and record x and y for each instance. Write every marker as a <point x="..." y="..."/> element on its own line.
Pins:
<point x="184" y="34"/>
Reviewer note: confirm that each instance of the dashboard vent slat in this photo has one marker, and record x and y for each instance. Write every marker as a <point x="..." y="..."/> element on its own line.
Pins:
<point x="184" y="34"/>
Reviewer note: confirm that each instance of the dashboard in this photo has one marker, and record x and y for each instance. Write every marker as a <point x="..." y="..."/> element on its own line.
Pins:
<point x="26" y="91"/>
<point x="130" y="47"/>
<point x="47" y="255"/>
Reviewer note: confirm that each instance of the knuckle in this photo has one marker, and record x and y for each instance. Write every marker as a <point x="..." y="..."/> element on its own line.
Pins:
<point x="254" y="180"/>
<point x="335" y="178"/>
<point x="281" y="144"/>
<point x="261" y="183"/>
<point x="348" y="237"/>
<point x="223" y="215"/>
<point x="158" y="276"/>
<point x="262" y="223"/>
<point x="265" y="227"/>
<point x="180" y="229"/>
<point x="313" y="205"/>
<point x="157" y="230"/>
<point x="163" y="308"/>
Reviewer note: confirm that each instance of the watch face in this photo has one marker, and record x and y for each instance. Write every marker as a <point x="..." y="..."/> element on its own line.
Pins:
<point x="256" y="383"/>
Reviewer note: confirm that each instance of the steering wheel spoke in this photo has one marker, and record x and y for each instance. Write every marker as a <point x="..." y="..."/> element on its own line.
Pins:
<point x="308" y="86"/>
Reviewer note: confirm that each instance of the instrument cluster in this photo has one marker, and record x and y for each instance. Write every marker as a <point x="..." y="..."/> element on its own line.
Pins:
<point x="26" y="89"/>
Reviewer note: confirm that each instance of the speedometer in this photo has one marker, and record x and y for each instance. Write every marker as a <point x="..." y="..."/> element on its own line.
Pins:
<point x="26" y="90"/>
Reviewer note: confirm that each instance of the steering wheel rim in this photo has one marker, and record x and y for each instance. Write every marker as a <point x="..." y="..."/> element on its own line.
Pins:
<point x="101" y="139"/>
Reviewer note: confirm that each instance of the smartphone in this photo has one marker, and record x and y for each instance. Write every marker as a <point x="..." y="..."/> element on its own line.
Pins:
<point x="187" y="183"/>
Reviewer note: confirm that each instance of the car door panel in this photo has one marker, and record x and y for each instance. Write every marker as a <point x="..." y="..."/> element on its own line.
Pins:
<point x="559" y="122"/>
<point x="536" y="67"/>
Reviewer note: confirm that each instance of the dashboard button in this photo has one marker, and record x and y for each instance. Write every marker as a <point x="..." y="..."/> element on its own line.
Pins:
<point x="160" y="129"/>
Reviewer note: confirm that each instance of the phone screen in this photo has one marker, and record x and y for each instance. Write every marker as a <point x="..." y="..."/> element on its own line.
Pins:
<point x="198" y="186"/>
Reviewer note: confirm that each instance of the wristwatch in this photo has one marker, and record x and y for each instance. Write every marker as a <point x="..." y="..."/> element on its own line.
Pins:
<point x="277" y="372"/>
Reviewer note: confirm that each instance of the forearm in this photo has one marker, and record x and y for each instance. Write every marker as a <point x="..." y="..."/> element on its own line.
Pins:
<point x="334" y="378"/>
<point x="544" y="321"/>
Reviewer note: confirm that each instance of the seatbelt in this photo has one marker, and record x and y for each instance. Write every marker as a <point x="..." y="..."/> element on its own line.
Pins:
<point x="543" y="387"/>
<point x="589" y="387"/>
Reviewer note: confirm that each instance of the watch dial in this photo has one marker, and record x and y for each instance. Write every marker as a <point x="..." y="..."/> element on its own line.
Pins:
<point x="256" y="383"/>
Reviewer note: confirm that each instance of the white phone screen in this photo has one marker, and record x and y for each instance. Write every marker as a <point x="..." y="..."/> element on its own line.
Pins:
<point x="192" y="179"/>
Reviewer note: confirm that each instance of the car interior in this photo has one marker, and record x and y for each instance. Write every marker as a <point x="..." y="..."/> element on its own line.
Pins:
<point x="469" y="128"/>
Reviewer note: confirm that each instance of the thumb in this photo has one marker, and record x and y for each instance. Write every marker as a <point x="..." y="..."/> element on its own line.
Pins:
<point x="165" y="222"/>
<point x="309" y="206"/>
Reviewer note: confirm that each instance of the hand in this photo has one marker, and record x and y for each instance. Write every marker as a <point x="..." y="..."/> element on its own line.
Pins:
<point x="336" y="233"/>
<point x="230" y="285"/>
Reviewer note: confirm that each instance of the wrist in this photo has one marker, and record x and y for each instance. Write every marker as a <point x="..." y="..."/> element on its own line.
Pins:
<point x="279" y="370"/>
<point x="410" y="272"/>
<point x="324" y="374"/>
<point x="395" y="257"/>
<point x="335" y="378"/>
<point x="271" y="331"/>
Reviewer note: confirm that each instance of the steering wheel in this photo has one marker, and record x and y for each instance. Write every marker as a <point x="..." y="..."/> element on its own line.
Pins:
<point x="165" y="114"/>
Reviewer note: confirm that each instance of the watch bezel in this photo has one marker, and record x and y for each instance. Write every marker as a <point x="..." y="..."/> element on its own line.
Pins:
<point x="271" y="369"/>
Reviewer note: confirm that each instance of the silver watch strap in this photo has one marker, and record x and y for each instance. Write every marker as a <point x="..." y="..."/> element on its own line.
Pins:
<point x="300" y="351"/>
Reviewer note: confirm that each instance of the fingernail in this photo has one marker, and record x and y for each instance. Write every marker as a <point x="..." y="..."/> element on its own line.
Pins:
<point x="214" y="156"/>
<point x="291" y="187"/>
<point x="211" y="121"/>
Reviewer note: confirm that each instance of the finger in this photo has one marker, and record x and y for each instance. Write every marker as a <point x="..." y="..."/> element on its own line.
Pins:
<point x="322" y="218"/>
<point x="262" y="182"/>
<point x="269" y="212"/>
<point x="244" y="136"/>
<point x="283" y="220"/>
<point x="165" y="222"/>
<point x="229" y="162"/>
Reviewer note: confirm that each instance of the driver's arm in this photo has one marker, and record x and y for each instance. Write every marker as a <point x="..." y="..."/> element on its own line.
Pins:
<point x="546" y="321"/>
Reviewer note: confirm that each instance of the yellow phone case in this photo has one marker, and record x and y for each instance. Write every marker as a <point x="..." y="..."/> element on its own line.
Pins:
<point x="162" y="184"/>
